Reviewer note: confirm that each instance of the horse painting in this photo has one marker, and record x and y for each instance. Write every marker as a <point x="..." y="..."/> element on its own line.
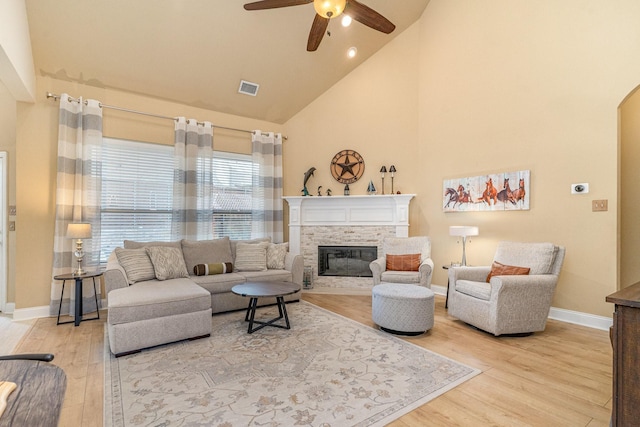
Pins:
<point x="519" y="193"/>
<point x="453" y="197"/>
<point x="483" y="192"/>
<point x="490" y="193"/>
<point x="506" y="195"/>
<point x="457" y="197"/>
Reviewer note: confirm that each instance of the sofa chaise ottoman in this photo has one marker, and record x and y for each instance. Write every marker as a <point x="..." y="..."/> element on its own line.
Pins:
<point x="156" y="290"/>
<point x="150" y="314"/>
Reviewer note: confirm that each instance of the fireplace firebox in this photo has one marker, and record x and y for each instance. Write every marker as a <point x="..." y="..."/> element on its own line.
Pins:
<point x="349" y="261"/>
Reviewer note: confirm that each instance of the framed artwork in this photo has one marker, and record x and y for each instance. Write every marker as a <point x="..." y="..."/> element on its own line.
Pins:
<point x="508" y="191"/>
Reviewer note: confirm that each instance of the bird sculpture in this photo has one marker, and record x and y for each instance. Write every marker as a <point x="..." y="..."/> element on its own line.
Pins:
<point x="308" y="174"/>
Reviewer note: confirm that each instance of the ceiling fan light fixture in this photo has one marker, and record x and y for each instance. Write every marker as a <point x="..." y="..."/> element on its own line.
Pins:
<point x="329" y="8"/>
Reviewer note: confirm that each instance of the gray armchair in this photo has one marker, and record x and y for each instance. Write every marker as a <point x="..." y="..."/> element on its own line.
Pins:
<point x="404" y="246"/>
<point x="508" y="304"/>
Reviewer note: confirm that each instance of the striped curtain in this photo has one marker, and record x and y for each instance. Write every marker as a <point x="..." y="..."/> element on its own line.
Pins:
<point x="267" y="186"/>
<point x="77" y="197"/>
<point x="193" y="180"/>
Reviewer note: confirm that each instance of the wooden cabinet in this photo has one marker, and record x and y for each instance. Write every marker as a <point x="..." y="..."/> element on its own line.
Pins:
<point x="625" y="338"/>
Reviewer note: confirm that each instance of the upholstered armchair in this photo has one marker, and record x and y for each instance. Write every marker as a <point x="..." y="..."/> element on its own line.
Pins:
<point x="511" y="301"/>
<point x="404" y="260"/>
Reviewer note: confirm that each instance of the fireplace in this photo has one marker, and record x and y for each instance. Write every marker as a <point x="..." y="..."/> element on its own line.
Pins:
<point x="344" y="221"/>
<point x="346" y="261"/>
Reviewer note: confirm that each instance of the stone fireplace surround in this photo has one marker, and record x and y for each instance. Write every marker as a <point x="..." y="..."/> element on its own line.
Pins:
<point x="347" y="221"/>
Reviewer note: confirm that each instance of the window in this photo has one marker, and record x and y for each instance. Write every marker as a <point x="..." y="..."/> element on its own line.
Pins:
<point x="232" y="187"/>
<point x="137" y="194"/>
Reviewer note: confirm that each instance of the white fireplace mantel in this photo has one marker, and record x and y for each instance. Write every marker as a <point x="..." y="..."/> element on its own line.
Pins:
<point x="378" y="210"/>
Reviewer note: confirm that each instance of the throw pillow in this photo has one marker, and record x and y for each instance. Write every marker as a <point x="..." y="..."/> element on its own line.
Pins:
<point x="234" y="243"/>
<point x="136" y="264"/>
<point x="498" y="269"/>
<point x="251" y="256"/>
<point x="213" y="268"/>
<point x="206" y="252"/>
<point x="408" y="262"/>
<point x="276" y="253"/>
<point x="168" y="262"/>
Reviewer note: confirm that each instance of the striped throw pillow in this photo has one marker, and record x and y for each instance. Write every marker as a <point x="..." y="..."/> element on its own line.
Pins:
<point x="136" y="264"/>
<point x="251" y="256"/>
<point x="214" y="268"/>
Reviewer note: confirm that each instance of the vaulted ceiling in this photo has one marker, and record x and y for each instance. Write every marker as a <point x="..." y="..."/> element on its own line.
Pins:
<point x="196" y="52"/>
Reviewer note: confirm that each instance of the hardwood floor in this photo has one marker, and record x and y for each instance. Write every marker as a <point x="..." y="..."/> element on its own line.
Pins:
<point x="560" y="377"/>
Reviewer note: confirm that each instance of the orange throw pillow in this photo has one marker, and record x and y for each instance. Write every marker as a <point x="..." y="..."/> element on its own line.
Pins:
<point x="498" y="269"/>
<point x="409" y="262"/>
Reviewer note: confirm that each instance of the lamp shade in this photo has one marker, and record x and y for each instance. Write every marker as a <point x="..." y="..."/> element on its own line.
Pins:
<point x="329" y="8"/>
<point x="463" y="230"/>
<point x="79" y="230"/>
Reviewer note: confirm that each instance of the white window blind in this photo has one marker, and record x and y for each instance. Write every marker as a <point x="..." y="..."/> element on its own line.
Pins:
<point x="232" y="186"/>
<point x="137" y="194"/>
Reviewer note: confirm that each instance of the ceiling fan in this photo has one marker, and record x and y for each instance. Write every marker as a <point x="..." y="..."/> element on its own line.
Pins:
<point x="326" y="10"/>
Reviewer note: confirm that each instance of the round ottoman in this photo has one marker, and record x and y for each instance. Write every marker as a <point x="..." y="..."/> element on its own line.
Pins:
<point x="402" y="309"/>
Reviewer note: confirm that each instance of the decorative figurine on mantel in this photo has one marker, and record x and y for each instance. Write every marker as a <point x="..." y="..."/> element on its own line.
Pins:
<point x="319" y="192"/>
<point x="328" y="191"/>
<point x="346" y="190"/>
<point x="371" y="189"/>
<point x="308" y="174"/>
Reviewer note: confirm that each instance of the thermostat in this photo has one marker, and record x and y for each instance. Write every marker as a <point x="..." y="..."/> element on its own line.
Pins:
<point x="582" y="188"/>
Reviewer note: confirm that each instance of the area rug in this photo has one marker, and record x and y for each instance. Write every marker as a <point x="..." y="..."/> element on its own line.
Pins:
<point x="326" y="370"/>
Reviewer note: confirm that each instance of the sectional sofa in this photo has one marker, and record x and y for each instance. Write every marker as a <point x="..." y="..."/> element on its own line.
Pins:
<point x="161" y="292"/>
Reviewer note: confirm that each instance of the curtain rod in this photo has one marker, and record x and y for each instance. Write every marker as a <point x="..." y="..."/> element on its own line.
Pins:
<point x="127" y="110"/>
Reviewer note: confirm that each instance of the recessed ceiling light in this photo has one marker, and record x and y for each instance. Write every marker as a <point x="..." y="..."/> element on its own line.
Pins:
<point x="352" y="52"/>
<point x="346" y="20"/>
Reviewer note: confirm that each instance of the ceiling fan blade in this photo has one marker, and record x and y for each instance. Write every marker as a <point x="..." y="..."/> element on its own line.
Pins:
<point x="369" y="17"/>
<point x="318" y="29"/>
<point x="272" y="4"/>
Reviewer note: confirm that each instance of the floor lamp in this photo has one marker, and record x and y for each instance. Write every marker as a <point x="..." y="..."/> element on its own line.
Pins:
<point x="463" y="231"/>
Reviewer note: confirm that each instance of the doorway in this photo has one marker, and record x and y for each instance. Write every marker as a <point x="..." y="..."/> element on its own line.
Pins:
<point x="3" y="229"/>
<point x="629" y="190"/>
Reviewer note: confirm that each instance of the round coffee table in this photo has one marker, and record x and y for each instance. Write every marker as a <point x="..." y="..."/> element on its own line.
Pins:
<point x="255" y="290"/>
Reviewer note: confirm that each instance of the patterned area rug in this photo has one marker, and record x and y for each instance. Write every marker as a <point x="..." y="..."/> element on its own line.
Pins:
<point x="326" y="370"/>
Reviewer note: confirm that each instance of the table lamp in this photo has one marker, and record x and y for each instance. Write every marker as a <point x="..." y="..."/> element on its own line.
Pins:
<point x="79" y="231"/>
<point x="463" y="231"/>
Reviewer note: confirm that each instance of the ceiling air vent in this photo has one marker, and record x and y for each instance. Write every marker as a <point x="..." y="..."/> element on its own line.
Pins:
<point x="248" y="88"/>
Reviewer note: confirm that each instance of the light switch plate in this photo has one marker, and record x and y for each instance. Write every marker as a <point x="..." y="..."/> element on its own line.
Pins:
<point x="12" y="210"/>
<point x="599" y="205"/>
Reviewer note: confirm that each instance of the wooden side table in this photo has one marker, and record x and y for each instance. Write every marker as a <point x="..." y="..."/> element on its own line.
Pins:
<point x="78" y="278"/>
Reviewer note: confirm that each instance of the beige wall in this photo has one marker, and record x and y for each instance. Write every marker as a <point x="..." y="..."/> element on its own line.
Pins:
<point x="501" y="85"/>
<point x="630" y="190"/>
<point x="36" y="166"/>
<point x="374" y="111"/>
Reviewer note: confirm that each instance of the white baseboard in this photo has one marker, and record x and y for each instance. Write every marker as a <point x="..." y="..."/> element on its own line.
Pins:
<point x="561" y="314"/>
<point x="31" y="313"/>
<point x="439" y="290"/>
<point x="579" y="318"/>
<point x="9" y="308"/>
